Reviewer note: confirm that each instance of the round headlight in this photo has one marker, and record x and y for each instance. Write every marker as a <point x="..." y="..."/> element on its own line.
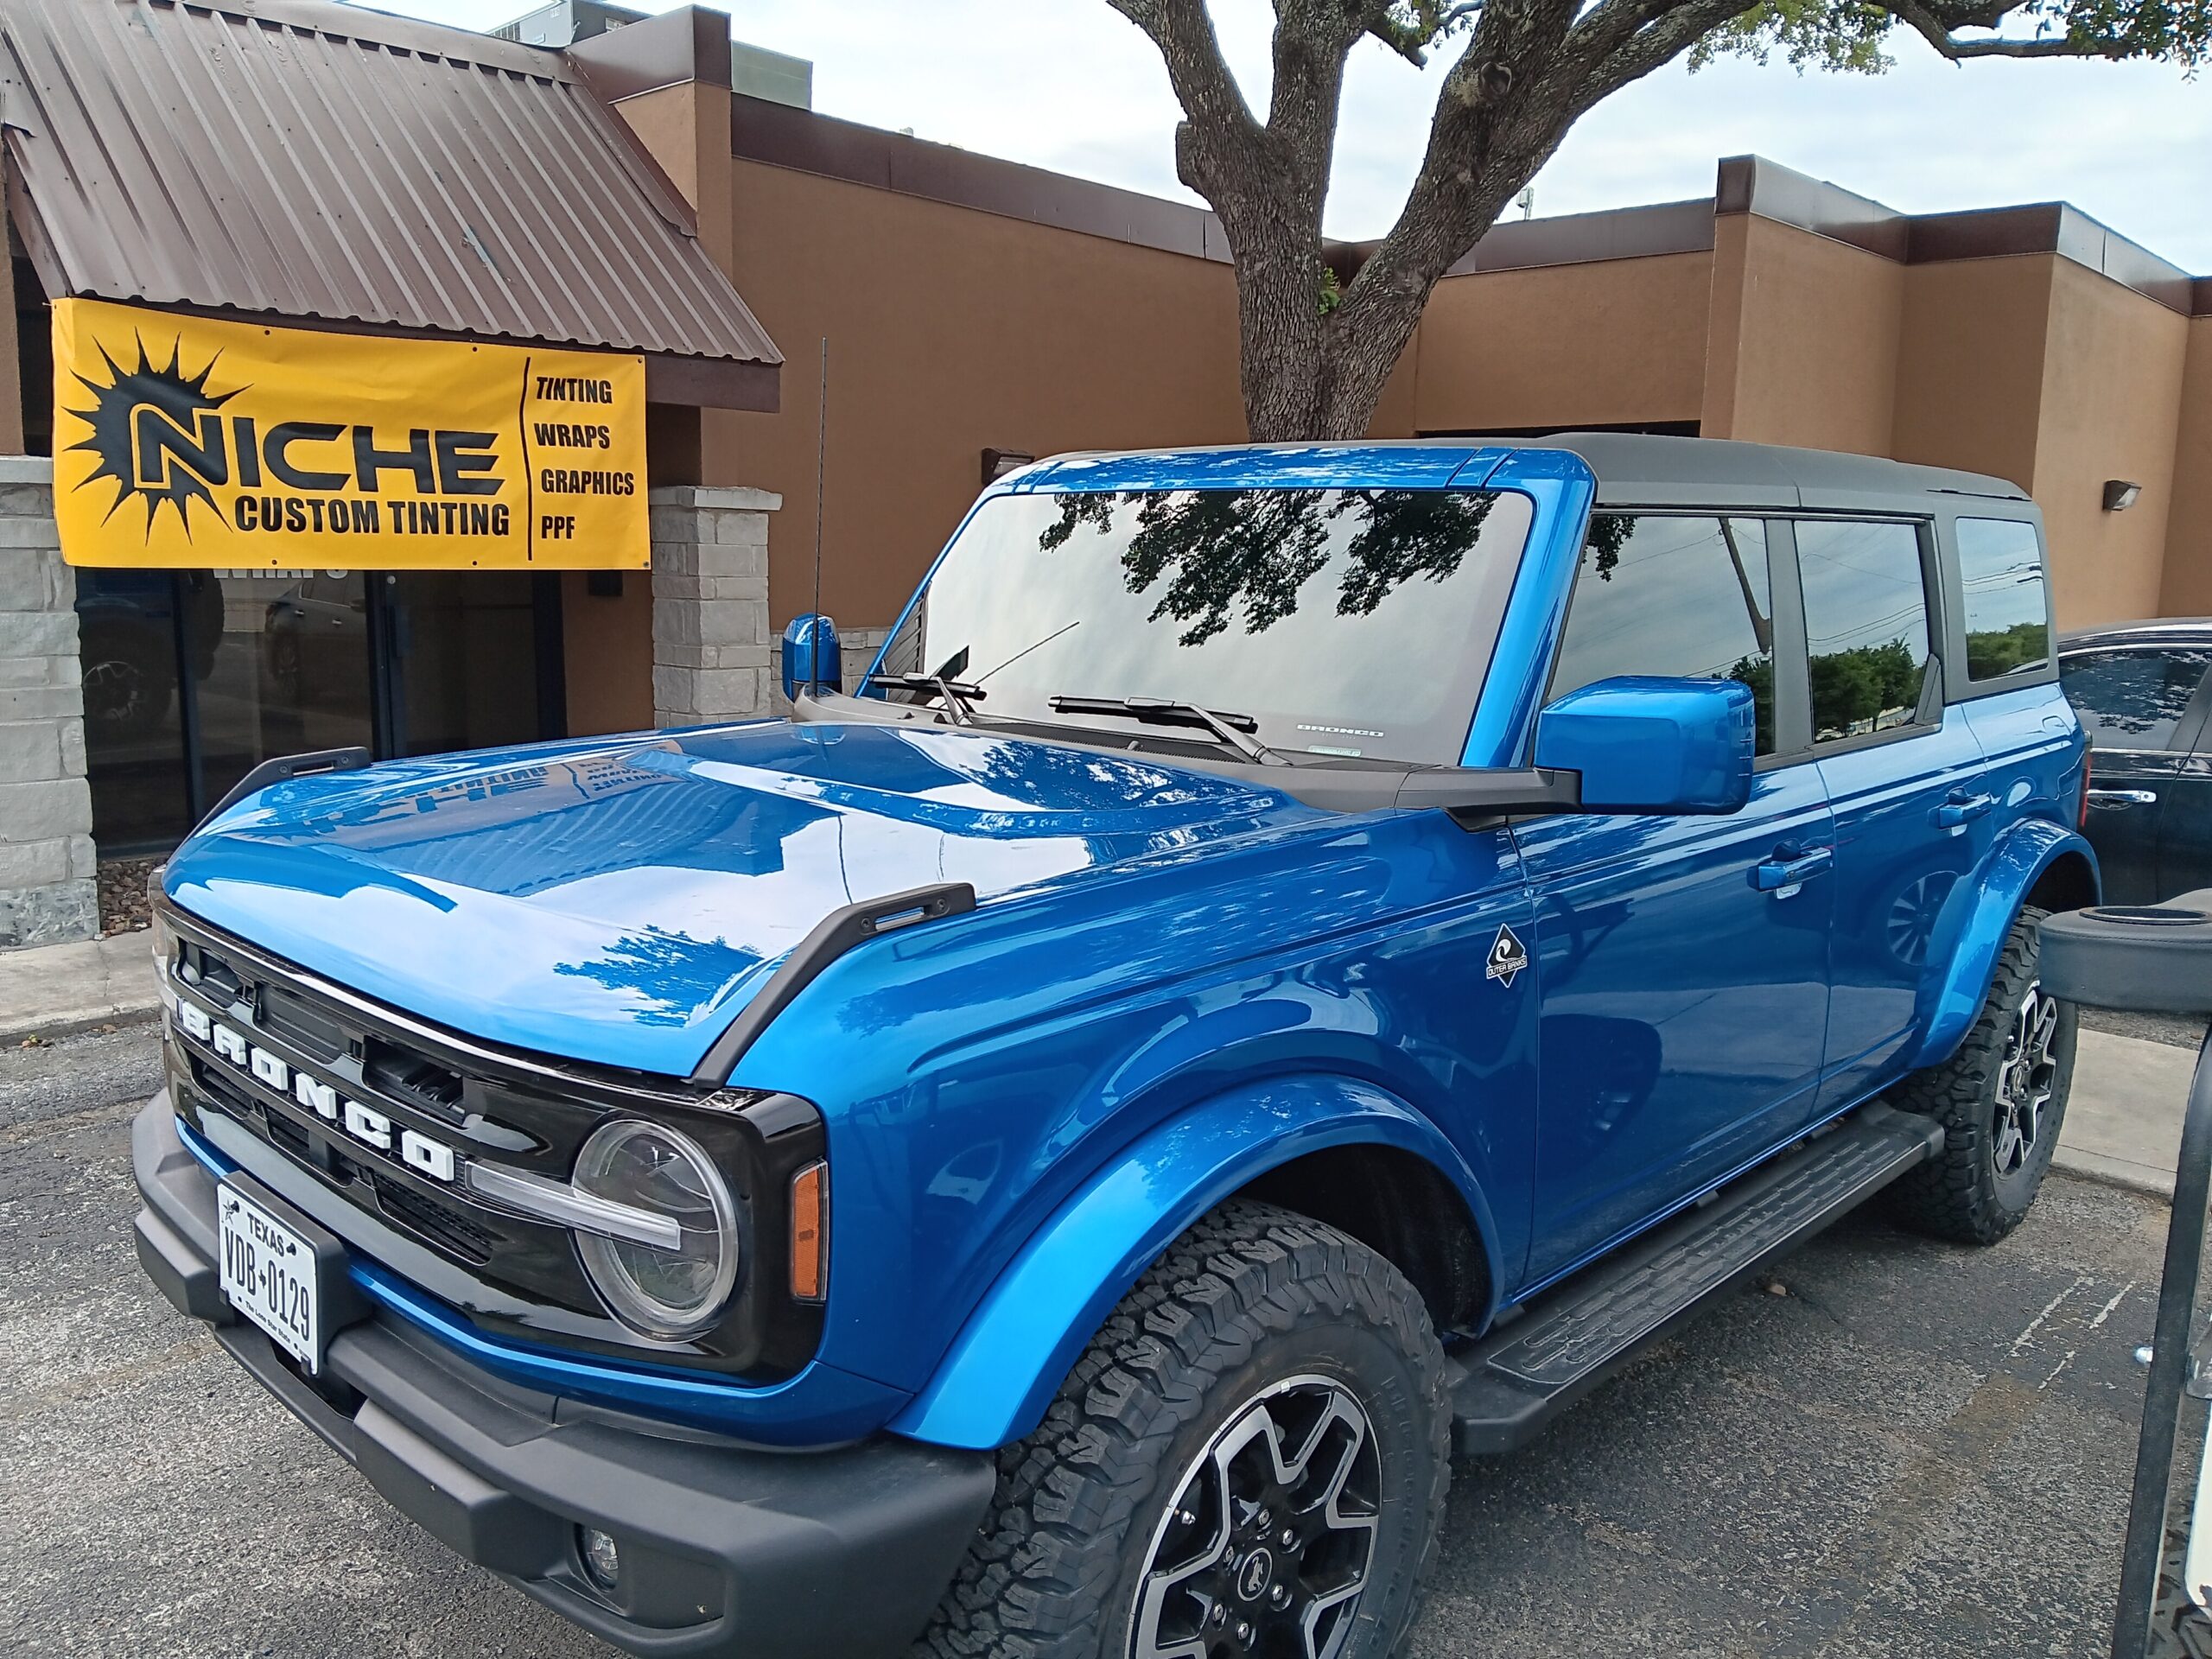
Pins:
<point x="662" y="1292"/>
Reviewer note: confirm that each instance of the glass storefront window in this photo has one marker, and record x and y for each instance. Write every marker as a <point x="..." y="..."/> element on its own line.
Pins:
<point x="192" y="678"/>
<point x="127" y="629"/>
<point x="289" y="671"/>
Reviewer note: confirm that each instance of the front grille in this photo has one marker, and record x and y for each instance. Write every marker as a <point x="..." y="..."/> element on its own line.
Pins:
<point x="482" y="1104"/>
<point x="288" y="1136"/>
<point x="413" y="1077"/>
<point x="437" y="1223"/>
<point x="302" y="1022"/>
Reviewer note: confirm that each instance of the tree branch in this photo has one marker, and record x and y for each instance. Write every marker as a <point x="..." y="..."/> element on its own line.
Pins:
<point x="1218" y="124"/>
<point x="1643" y="37"/>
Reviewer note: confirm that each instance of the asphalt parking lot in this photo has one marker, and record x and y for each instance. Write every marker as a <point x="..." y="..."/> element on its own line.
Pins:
<point x="1912" y="1450"/>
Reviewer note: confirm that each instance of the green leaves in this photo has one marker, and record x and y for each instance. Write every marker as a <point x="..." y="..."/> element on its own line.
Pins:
<point x="1843" y="37"/>
<point x="1848" y="36"/>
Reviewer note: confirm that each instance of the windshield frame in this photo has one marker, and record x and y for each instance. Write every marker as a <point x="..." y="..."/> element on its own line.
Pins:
<point x="1454" y="742"/>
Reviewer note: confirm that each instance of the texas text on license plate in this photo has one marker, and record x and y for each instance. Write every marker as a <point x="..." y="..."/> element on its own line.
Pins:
<point x="269" y="1275"/>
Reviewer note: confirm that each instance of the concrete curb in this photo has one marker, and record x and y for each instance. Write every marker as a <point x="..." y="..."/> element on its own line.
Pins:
<point x="2123" y="1118"/>
<point x="76" y="1021"/>
<point x="2114" y="1171"/>
<point x="56" y="990"/>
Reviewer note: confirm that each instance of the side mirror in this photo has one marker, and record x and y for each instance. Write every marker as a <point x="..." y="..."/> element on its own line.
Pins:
<point x="812" y="657"/>
<point x="1653" y="745"/>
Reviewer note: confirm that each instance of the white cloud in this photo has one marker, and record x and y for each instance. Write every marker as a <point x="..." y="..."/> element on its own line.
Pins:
<point x="1068" y="84"/>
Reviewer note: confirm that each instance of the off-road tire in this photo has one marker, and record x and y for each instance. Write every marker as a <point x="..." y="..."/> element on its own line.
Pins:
<point x="1249" y="1296"/>
<point x="2179" y="1628"/>
<point x="1961" y="1194"/>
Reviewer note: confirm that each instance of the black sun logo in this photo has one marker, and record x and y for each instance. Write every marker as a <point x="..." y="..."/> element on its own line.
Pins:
<point x="166" y="411"/>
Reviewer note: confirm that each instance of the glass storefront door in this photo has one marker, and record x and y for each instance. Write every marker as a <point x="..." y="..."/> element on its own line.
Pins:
<point x="290" y="672"/>
<point x="466" y="645"/>
<point x="192" y="678"/>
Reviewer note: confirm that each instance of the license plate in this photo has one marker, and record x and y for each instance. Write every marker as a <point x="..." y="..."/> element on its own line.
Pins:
<point x="269" y="1273"/>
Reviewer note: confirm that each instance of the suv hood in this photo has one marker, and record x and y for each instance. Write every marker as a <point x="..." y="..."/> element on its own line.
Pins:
<point x="620" y="901"/>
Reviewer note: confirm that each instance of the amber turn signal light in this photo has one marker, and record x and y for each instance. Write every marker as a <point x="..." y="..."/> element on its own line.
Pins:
<point x="809" y="1214"/>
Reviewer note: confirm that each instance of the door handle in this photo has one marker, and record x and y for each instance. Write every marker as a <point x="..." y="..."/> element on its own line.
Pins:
<point x="2121" y="799"/>
<point x="1962" y="808"/>
<point x="1787" y="869"/>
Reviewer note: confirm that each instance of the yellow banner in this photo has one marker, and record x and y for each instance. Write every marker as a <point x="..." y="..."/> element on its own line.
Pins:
<point x="184" y="443"/>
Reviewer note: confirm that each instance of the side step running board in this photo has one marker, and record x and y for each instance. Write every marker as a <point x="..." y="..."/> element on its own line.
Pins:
<point x="1516" y="1378"/>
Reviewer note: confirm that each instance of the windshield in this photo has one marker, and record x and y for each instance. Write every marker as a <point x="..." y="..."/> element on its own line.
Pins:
<point x="1335" y="622"/>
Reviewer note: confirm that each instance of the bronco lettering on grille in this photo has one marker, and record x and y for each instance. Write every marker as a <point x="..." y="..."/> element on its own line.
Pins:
<point x="371" y="1127"/>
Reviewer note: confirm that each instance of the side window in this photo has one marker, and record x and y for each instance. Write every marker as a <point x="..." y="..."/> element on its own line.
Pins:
<point x="2001" y="573"/>
<point x="2131" y="699"/>
<point x="1685" y="598"/>
<point x="1866" y="624"/>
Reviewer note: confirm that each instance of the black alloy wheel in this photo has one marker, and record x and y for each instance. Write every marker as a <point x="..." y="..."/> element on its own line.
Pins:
<point x="1267" y="1547"/>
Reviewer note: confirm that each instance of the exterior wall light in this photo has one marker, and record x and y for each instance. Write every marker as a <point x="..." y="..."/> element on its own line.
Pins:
<point x="2120" y="495"/>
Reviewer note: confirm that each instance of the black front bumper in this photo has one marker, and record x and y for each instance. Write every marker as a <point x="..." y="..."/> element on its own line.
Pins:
<point x="725" y="1548"/>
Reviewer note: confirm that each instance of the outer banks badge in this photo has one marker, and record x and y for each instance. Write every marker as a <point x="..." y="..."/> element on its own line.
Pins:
<point x="1508" y="956"/>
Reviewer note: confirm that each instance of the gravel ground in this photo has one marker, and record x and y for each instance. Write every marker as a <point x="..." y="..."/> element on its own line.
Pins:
<point x="1915" y="1450"/>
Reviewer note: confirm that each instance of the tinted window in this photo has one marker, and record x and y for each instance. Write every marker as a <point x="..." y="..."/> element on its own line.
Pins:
<point x="2000" y="573"/>
<point x="1340" y="622"/>
<point x="2131" y="699"/>
<point x="1866" y="624"/>
<point x="1685" y="598"/>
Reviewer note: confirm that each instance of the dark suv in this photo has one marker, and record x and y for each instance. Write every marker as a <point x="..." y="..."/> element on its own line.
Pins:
<point x="2141" y="691"/>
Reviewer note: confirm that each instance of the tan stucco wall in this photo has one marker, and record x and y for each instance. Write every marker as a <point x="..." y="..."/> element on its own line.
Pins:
<point x="950" y="331"/>
<point x="1804" y="334"/>
<point x="1612" y="342"/>
<point x="2111" y="404"/>
<point x="607" y="654"/>
<point x="1970" y="357"/>
<point x="2187" y="587"/>
<point x="686" y="128"/>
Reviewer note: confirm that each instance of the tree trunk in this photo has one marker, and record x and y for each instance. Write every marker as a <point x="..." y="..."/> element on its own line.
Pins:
<point x="1280" y="333"/>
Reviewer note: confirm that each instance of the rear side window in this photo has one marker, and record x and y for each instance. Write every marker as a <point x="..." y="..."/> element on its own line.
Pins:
<point x="1684" y="598"/>
<point x="2000" y="576"/>
<point x="1866" y="625"/>
<point x="2131" y="699"/>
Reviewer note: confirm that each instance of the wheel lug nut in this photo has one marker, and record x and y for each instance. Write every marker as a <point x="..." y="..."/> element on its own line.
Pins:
<point x="1219" y="1615"/>
<point x="1262" y="1521"/>
<point x="1289" y="1538"/>
<point x="1279" y="1596"/>
<point x="1243" y="1631"/>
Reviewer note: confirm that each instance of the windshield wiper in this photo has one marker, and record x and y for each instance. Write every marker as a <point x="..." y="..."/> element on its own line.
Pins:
<point x="1231" y="729"/>
<point x="959" y="697"/>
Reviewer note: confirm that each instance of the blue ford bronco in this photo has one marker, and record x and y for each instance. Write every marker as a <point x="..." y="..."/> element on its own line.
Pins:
<point x="1291" y="964"/>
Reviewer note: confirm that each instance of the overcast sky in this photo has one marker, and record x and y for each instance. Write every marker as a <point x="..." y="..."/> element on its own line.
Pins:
<point x="1069" y="86"/>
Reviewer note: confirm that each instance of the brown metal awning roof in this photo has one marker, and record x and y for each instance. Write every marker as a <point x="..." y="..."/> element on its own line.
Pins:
<point x="297" y="160"/>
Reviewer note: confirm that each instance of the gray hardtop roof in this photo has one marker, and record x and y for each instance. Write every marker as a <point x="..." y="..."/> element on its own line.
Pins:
<point x="1636" y="468"/>
<point x="1648" y="470"/>
<point x="2176" y="630"/>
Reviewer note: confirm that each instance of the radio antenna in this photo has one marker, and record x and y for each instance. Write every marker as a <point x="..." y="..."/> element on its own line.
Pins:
<point x="821" y="448"/>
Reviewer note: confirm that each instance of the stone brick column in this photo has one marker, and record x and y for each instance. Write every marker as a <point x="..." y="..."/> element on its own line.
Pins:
<point x="713" y="657"/>
<point x="46" y="892"/>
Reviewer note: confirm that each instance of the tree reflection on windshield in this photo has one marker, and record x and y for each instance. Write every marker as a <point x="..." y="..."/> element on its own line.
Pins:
<point x="1257" y="549"/>
<point x="1354" y="623"/>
